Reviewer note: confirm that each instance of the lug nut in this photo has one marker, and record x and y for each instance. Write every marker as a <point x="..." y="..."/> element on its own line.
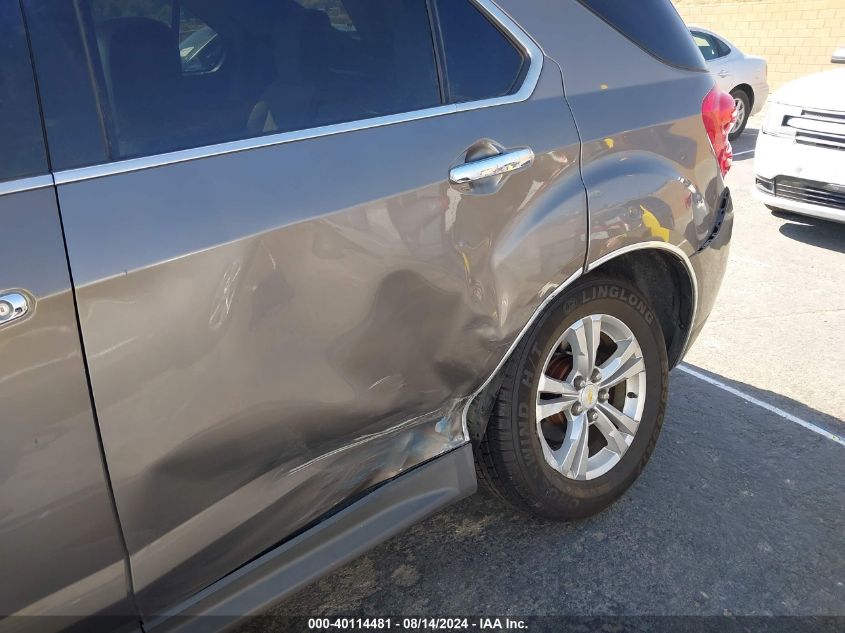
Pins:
<point x="592" y="416"/>
<point x="579" y="382"/>
<point x="604" y="395"/>
<point x="577" y="409"/>
<point x="596" y="375"/>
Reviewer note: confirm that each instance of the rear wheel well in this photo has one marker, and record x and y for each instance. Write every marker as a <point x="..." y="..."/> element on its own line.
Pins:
<point x="666" y="284"/>
<point x="749" y="92"/>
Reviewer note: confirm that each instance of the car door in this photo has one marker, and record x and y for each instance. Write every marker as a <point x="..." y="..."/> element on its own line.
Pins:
<point x="285" y="297"/>
<point x="716" y="54"/>
<point x="60" y="551"/>
<point x="727" y="65"/>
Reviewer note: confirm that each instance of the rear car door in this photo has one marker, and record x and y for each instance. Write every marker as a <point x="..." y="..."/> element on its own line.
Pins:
<point x="60" y="548"/>
<point x="284" y="299"/>
<point x="726" y="67"/>
<point x="717" y="55"/>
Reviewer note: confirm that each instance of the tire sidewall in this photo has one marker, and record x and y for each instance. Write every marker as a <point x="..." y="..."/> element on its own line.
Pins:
<point x="581" y="498"/>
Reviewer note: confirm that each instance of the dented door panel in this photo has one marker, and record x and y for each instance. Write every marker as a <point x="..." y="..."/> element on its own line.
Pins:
<point x="60" y="545"/>
<point x="272" y="332"/>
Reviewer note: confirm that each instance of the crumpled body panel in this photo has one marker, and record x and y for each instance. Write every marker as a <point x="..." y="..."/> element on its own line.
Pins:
<point x="647" y="163"/>
<point x="275" y="331"/>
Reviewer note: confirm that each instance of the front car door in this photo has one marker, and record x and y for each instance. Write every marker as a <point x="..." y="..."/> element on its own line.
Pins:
<point x="283" y="298"/>
<point x="60" y="551"/>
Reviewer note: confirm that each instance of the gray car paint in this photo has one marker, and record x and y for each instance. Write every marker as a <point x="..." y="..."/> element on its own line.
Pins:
<point x="344" y="535"/>
<point x="60" y="549"/>
<point x="647" y="162"/>
<point x="710" y="265"/>
<point x="272" y="332"/>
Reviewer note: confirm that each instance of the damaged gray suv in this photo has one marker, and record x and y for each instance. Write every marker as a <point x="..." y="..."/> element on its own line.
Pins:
<point x="282" y="277"/>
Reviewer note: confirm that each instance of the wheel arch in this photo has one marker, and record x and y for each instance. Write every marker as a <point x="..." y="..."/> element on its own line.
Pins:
<point x="749" y="92"/>
<point x="652" y="267"/>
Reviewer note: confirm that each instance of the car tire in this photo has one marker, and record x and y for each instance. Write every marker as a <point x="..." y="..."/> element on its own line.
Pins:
<point x="511" y="458"/>
<point x="743" y="104"/>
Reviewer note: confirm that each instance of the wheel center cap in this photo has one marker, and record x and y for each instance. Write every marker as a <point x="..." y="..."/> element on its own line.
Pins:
<point x="589" y="396"/>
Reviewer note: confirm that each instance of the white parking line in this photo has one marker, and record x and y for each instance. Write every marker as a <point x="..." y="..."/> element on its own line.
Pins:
<point x="765" y="405"/>
<point x="748" y="151"/>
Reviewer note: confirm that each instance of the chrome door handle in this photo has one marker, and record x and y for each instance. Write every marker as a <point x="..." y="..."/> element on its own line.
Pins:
<point x="498" y="165"/>
<point x="13" y="306"/>
<point x="723" y="73"/>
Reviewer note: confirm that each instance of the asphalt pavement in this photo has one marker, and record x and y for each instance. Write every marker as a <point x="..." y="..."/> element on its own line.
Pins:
<point x="779" y="322"/>
<point x="740" y="511"/>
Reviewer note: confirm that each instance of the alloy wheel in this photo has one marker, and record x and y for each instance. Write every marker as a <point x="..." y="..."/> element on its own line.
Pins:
<point x="590" y="397"/>
<point x="739" y="106"/>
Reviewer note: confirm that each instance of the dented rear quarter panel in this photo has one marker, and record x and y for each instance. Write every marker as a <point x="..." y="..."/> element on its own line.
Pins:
<point x="646" y="161"/>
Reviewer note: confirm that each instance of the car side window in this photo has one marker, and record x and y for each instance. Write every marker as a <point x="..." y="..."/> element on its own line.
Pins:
<point x="711" y="47"/>
<point x="161" y="10"/>
<point x="174" y="74"/>
<point x="338" y="16"/>
<point x="21" y="136"/>
<point x="481" y="62"/>
<point x="201" y="48"/>
<point x="723" y="49"/>
<point x="654" y="26"/>
<point x="705" y="45"/>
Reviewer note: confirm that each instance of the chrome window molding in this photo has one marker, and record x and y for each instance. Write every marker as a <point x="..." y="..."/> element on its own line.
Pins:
<point x="540" y="309"/>
<point x="677" y="252"/>
<point x="529" y="47"/>
<point x="25" y="184"/>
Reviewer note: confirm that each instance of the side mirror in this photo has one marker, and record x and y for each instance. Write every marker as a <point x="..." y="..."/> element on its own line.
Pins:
<point x="838" y="56"/>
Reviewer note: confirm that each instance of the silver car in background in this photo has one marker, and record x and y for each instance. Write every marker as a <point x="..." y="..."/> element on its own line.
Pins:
<point x="264" y="306"/>
<point x="744" y="76"/>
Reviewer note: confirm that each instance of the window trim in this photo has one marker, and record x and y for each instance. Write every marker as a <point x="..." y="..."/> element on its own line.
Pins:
<point x="29" y="183"/>
<point x="27" y="180"/>
<point x="439" y="51"/>
<point x="442" y="57"/>
<point x="532" y="51"/>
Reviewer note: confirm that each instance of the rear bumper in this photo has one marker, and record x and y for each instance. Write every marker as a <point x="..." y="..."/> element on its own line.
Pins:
<point x="709" y="265"/>
<point x="813" y="177"/>
<point x="761" y="95"/>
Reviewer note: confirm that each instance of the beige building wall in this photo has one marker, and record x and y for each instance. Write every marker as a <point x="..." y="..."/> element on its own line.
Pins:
<point x="797" y="37"/>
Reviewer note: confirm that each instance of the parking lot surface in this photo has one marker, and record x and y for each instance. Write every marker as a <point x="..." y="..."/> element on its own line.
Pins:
<point x="779" y="322"/>
<point x="741" y="509"/>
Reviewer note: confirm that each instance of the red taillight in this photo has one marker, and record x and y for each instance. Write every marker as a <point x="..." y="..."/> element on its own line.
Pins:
<point x="717" y="110"/>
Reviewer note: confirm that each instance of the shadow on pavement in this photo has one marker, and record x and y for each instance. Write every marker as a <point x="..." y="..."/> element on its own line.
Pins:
<point x="739" y="512"/>
<point x="794" y="407"/>
<point x="745" y="143"/>
<point x="813" y="231"/>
